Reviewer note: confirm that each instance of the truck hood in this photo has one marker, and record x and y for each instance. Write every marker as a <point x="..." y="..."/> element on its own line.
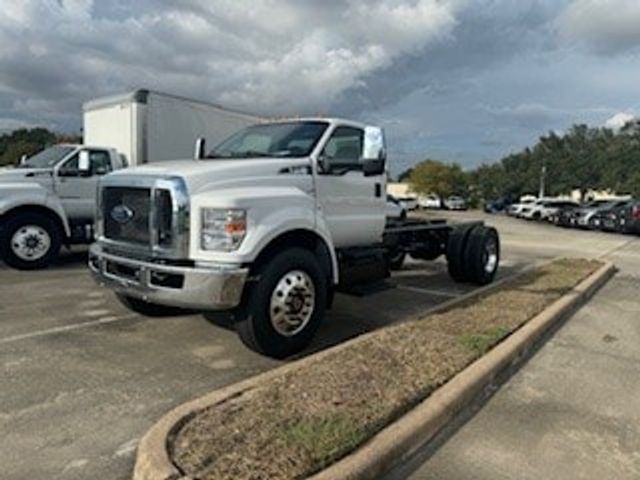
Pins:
<point x="26" y="175"/>
<point x="201" y="175"/>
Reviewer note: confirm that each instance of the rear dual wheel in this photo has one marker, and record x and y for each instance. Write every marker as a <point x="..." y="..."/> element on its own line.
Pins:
<point x="473" y="254"/>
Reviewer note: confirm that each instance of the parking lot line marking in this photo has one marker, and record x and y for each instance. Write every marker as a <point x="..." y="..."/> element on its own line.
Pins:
<point x="429" y="291"/>
<point x="64" y="328"/>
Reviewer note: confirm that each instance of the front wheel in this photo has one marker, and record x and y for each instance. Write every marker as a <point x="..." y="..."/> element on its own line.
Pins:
<point x="30" y="241"/>
<point x="282" y="310"/>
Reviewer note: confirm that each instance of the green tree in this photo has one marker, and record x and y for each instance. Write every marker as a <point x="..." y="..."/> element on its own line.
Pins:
<point x="27" y="142"/>
<point x="432" y="176"/>
<point x="404" y="176"/>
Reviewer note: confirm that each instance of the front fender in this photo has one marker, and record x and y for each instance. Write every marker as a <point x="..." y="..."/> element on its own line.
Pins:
<point x="271" y="212"/>
<point x="15" y="195"/>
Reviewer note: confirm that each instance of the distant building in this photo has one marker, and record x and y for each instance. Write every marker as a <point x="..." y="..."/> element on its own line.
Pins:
<point x="400" y="189"/>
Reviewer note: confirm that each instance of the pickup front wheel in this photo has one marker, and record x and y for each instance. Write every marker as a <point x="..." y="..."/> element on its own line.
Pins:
<point x="283" y="308"/>
<point x="30" y="241"/>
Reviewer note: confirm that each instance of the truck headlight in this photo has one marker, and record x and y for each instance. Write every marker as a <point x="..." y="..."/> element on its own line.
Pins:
<point x="222" y="229"/>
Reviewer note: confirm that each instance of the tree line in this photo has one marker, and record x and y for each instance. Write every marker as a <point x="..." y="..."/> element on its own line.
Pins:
<point x="25" y="141"/>
<point x="583" y="158"/>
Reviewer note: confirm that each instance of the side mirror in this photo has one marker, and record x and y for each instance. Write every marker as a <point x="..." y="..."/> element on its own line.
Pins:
<point x="324" y="165"/>
<point x="84" y="165"/>
<point x="374" y="152"/>
<point x="199" y="149"/>
<point x="372" y="167"/>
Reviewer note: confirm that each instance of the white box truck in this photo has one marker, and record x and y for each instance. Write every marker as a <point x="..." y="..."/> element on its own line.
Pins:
<point x="147" y="126"/>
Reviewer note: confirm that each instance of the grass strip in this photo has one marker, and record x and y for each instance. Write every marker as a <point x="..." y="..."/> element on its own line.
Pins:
<point x="308" y="418"/>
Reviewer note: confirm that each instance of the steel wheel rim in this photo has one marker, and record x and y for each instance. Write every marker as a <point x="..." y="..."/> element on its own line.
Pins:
<point x="491" y="256"/>
<point x="292" y="303"/>
<point x="30" y="243"/>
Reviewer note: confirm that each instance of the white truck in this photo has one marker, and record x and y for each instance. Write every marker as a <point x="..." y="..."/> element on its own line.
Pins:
<point x="149" y="126"/>
<point x="269" y="224"/>
<point x="51" y="199"/>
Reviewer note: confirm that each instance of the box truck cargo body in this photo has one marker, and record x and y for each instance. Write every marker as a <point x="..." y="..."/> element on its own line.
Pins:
<point x="146" y="126"/>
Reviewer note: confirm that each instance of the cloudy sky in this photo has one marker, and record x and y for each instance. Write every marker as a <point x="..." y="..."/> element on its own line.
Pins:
<point x="458" y="80"/>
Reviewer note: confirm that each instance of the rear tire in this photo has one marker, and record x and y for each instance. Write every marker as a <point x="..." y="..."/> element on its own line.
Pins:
<point x="148" y="309"/>
<point x="456" y="246"/>
<point x="482" y="255"/>
<point x="30" y="241"/>
<point x="281" y="311"/>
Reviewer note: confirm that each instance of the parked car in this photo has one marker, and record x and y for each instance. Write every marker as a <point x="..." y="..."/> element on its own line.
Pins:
<point x="623" y="218"/>
<point x="455" y="202"/>
<point x="409" y="203"/>
<point x="564" y="216"/>
<point x="586" y="216"/>
<point x="629" y="218"/>
<point x="395" y="209"/>
<point x="605" y="218"/>
<point x="531" y="211"/>
<point x="429" y="201"/>
<point x="496" y="206"/>
<point x="545" y="209"/>
<point x="516" y="208"/>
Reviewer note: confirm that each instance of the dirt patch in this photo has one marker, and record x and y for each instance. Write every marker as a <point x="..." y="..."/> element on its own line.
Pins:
<point x="307" y="419"/>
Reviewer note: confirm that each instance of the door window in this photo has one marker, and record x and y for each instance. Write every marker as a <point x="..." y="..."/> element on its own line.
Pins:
<point x="70" y="167"/>
<point x="344" y="149"/>
<point x="100" y="161"/>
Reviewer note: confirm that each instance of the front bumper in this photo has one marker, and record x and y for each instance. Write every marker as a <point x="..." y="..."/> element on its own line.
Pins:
<point x="214" y="287"/>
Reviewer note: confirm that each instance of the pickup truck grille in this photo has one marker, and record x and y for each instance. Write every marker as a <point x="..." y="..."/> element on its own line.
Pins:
<point x="145" y="216"/>
<point x="127" y="214"/>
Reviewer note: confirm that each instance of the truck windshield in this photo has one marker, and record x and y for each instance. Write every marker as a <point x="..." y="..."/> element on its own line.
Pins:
<point x="282" y="139"/>
<point x="48" y="158"/>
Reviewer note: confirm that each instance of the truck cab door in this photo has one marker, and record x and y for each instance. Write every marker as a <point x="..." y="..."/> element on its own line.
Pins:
<point x="77" y="190"/>
<point x="352" y="204"/>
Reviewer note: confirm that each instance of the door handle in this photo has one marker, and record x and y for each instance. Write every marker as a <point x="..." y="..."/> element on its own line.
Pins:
<point x="378" y="190"/>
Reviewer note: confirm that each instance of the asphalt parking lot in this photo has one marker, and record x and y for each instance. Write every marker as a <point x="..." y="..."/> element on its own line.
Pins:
<point x="83" y="378"/>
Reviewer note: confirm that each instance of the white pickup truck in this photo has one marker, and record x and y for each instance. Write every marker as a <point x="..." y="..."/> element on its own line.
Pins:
<point x="269" y="224"/>
<point x="49" y="201"/>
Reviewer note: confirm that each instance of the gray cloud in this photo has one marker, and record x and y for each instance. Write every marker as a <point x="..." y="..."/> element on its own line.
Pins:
<point x="277" y="57"/>
<point x="605" y="27"/>
<point x="466" y="80"/>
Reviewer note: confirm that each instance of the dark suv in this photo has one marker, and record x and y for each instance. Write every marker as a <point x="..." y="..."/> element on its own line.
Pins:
<point x="627" y="218"/>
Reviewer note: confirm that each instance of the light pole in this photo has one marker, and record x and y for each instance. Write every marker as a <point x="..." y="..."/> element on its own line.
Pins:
<point x="543" y="174"/>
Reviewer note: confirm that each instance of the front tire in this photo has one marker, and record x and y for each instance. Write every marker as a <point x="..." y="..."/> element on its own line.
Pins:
<point x="282" y="310"/>
<point x="30" y="241"/>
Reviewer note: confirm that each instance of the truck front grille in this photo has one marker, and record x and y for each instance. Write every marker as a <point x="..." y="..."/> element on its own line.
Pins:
<point x="126" y="214"/>
<point x="145" y="216"/>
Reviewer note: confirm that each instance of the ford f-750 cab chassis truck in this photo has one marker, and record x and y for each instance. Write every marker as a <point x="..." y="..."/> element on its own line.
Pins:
<point x="269" y="224"/>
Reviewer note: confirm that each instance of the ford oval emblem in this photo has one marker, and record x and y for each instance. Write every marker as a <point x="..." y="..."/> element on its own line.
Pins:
<point x="122" y="213"/>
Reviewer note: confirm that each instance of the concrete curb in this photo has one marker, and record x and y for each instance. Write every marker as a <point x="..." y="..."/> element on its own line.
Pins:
<point x="400" y="440"/>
